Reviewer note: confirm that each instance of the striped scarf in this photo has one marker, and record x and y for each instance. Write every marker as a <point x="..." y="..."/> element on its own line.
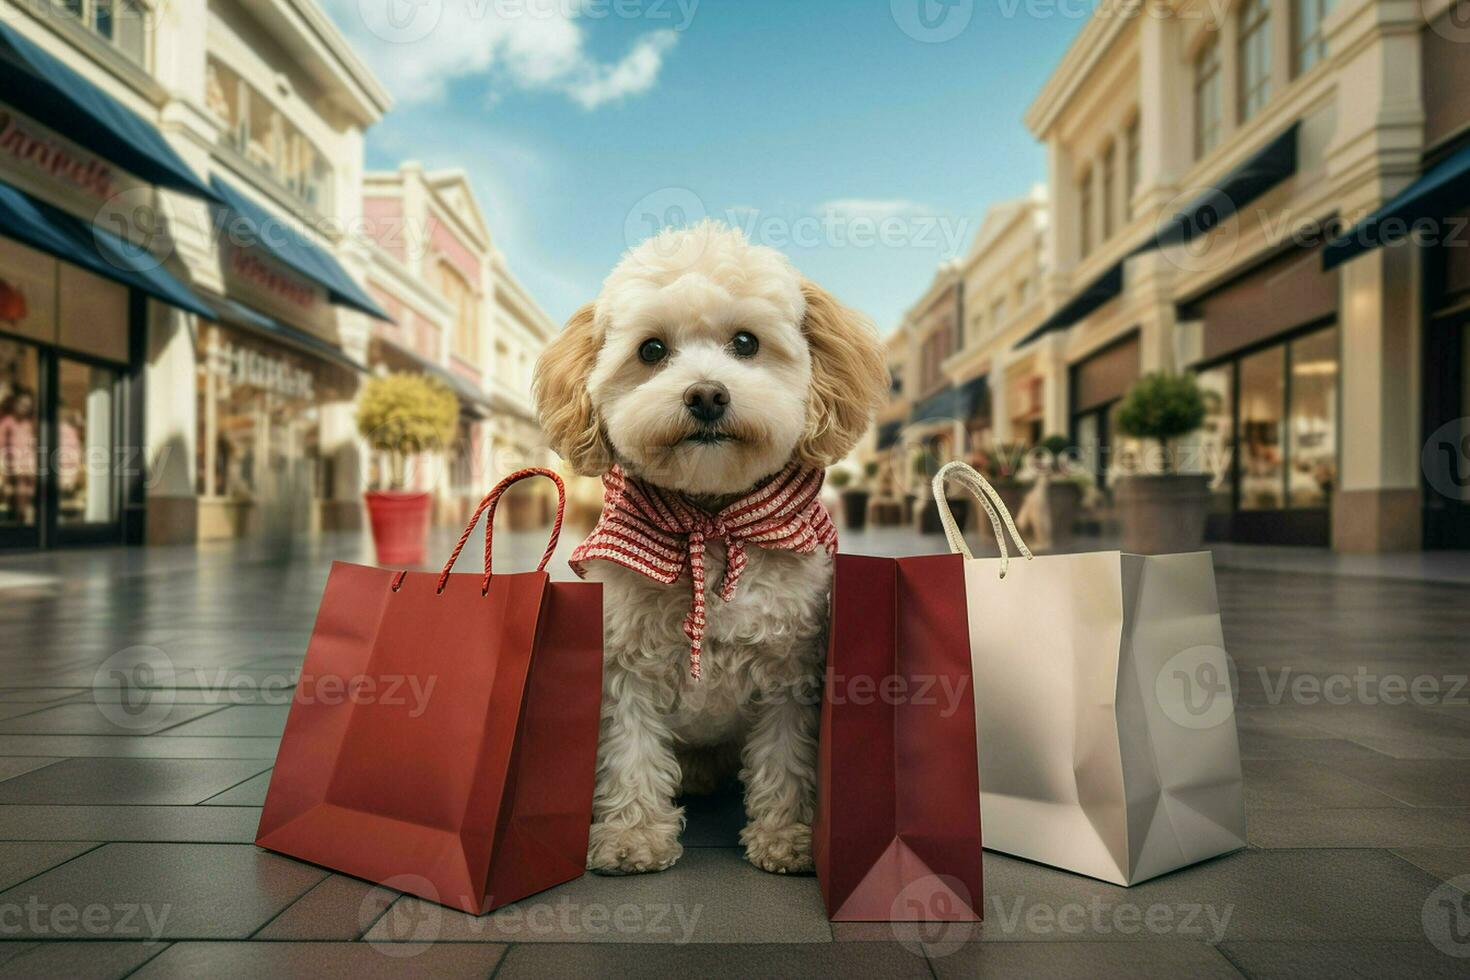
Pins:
<point x="657" y="533"/>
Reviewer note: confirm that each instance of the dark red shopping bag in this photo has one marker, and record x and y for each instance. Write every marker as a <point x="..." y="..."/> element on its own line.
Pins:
<point x="897" y="836"/>
<point x="443" y="735"/>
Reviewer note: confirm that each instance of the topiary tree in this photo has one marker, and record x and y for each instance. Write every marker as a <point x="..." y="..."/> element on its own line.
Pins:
<point x="405" y="414"/>
<point x="1163" y="407"/>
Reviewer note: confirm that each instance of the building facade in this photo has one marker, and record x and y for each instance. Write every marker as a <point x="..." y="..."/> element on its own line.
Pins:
<point x="185" y="318"/>
<point x="1221" y="195"/>
<point x="458" y="313"/>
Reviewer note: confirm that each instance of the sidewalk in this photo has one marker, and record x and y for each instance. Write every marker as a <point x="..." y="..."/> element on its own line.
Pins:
<point x="126" y="837"/>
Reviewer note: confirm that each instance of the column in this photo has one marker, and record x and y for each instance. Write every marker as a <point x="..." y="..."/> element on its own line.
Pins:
<point x="1165" y="85"/>
<point x="171" y="427"/>
<point x="1377" y="505"/>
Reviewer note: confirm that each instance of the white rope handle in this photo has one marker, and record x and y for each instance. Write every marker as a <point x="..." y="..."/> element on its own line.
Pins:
<point x="985" y="495"/>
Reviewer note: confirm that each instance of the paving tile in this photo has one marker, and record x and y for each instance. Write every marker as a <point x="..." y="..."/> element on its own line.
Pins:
<point x="10" y="767"/>
<point x="713" y="895"/>
<point x="159" y="891"/>
<point x="20" y="860"/>
<point x="78" y="960"/>
<point x="1251" y="894"/>
<point x="93" y="719"/>
<point x="829" y="961"/>
<point x="1082" y="961"/>
<point x="1362" y="827"/>
<point x="1345" y="960"/>
<point x="161" y="782"/>
<point x="138" y="747"/>
<point x="1300" y="784"/>
<point x="340" y="908"/>
<point x="1418" y="782"/>
<point x="251" y="721"/>
<point x="19" y="709"/>
<point x="249" y="793"/>
<point x="203" y="824"/>
<point x="1442" y="862"/>
<point x="1267" y="745"/>
<point x="323" y="961"/>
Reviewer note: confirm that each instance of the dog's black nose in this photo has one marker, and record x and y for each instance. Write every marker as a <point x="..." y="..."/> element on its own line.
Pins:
<point x="707" y="400"/>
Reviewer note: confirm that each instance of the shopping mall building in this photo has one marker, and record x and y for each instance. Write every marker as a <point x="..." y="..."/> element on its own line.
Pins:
<point x="1272" y="195"/>
<point x="185" y="315"/>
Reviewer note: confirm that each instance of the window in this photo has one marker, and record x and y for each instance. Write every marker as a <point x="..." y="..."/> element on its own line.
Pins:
<point x="257" y="129"/>
<point x="1254" y="57"/>
<point x="1207" y="99"/>
<point x="1084" y="208"/>
<point x="1308" y="44"/>
<point x="122" y="23"/>
<point x="1130" y="168"/>
<point x="1109" y="189"/>
<point x="936" y="351"/>
<point x="465" y="341"/>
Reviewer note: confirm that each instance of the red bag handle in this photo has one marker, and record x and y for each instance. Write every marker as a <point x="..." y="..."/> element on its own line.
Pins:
<point x="491" y="501"/>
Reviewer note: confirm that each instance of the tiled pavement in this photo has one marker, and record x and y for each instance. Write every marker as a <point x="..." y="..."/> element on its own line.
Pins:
<point x="125" y="833"/>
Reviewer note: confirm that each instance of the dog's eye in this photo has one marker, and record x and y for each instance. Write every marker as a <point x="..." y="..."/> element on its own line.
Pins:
<point x="652" y="351"/>
<point x="744" y="344"/>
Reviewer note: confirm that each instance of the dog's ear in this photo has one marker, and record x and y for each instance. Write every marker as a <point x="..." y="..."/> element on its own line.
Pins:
<point x="563" y="400"/>
<point x="849" y="378"/>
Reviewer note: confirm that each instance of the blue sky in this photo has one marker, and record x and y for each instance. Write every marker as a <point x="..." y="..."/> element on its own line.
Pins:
<point x="825" y="128"/>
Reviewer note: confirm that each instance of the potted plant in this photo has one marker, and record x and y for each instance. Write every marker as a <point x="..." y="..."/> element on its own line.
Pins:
<point x="400" y="416"/>
<point x="855" y="495"/>
<point x="1061" y="487"/>
<point x="1162" y="513"/>
<point x="927" y="518"/>
<point x="1001" y="467"/>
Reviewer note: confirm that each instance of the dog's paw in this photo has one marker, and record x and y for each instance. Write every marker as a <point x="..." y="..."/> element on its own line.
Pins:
<point x="781" y="850"/>
<point x="631" y="850"/>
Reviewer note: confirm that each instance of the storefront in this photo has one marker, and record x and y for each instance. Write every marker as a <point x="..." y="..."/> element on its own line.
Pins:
<point x="75" y="168"/>
<point x="1270" y="373"/>
<point x="1447" y="393"/>
<point x="263" y="391"/>
<point x="1097" y="385"/>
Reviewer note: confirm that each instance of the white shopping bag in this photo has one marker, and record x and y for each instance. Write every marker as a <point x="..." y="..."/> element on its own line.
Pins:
<point x="1105" y="715"/>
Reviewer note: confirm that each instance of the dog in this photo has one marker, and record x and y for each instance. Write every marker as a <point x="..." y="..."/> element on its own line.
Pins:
<point x="710" y="385"/>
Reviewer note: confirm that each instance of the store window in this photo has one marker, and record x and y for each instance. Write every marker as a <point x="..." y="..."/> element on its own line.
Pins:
<point x="460" y="296"/>
<point x="1217" y="436"/>
<point x="1312" y="450"/>
<point x="1207" y="99"/>
<point x="256" y="129"/>
<point x="1309" y="45"/>
<point x="20" y="428"/>
<point x="122" y="23"/>
<point x="1253" y="58"/>
<point x="1262" y="426"/>
<point x="260" y="419"/>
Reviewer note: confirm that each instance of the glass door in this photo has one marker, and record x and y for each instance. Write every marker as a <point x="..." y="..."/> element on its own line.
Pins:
<point x="84" y="459"/>
<point x="20" y="445"/>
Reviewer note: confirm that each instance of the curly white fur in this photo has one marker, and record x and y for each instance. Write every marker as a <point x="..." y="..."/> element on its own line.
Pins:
<point x="807" y="394"/>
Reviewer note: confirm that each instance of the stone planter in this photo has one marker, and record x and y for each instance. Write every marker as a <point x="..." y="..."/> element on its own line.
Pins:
<point x="928" y="521"/>
<point x="855" y="509"/>
<point x="1163" y="515"/>
<point x="1063" y="503"/>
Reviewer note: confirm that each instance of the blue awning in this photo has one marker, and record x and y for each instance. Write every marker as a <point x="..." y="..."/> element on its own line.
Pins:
<point x="42" y="87"/>
<point x="888" y="434"/>
<point x="253" y="225"/>
<point x="1268" y="167"/>
<point x="1441" y="190"/>
<point x="53" y="231"/>
<point x="975" y="398"/>
<point x="240" y="315"/>
<point x="944" y="404"/>
<point x="1095" y="294"/>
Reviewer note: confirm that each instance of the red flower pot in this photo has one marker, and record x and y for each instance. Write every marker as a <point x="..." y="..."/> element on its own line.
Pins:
<point x="400" y="526"/>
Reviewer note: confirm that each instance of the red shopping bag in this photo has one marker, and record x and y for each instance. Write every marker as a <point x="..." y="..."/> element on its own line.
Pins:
<point x="443" y="735"/>
<point x="897" y="836"/>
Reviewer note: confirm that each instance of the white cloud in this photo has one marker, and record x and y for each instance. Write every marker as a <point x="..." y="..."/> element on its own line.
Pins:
<point x="419" y="47"/>
<point x="875" y="209"/>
